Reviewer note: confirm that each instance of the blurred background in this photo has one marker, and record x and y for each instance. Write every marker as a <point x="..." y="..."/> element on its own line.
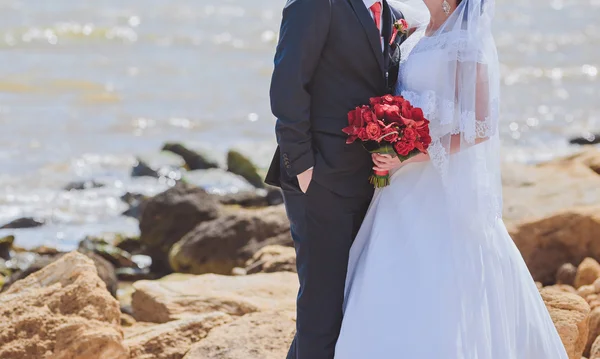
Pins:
<point x="89" y="88"/>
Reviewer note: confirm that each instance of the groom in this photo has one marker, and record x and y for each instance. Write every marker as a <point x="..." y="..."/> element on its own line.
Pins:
<point x="332" y="56"/>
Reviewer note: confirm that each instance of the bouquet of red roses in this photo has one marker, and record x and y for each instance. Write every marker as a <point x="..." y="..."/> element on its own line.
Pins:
<point x="389" y="125"/>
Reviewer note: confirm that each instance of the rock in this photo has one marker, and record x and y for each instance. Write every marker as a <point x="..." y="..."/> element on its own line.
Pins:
<point x="219" y="246"/>
<point x="171" y="215"/>
<point x="133" y="274"/>
<point x="570" y="314"/>
<point x="127" y="320"/>
<point x="171" y="340"/>
<point x="193" y="160"/>
<point x="136" y="202"/>
<point x="587" y="272"/>
<point x="589" y="157"/>
<point x="45" y="251"/>
<point x="34" y="263"/>
<point x="254" y="336"/>
<point x="586" y="290"/>
<point x="536" y="192"/>
<point x="595" y="352"/>
<point x="566" y="274"/>
<point x="65" y="311"/>
<point x="82" y="185"/>
<point x="176" y="296"/>
<point x="242" y="166"/>
<point x="249" y="199"/>
<point x="237" y="271"/>
<point x="589" y="139"/>
<point x="561" y="288"/>
<point x="274" y="196"/>
<point x="130" y="244"/>
<point x="567" y="236"/>
<point x="594" y="331"/>
<point x="271" y="259"/>
<point x="6" y="244"/>
<point x="118" y="257"/>
<point x="25" y="222"/>
<point x="142" y="169"/>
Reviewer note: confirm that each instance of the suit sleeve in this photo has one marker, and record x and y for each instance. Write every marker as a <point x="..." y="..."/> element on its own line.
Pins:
<point x="304" y="30"/>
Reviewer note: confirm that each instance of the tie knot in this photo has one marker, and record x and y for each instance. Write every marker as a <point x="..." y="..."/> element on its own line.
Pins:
<point x="376" y="8"/>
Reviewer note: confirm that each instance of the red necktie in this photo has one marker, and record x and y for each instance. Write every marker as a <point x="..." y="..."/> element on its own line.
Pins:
<point x="376" y="10"/>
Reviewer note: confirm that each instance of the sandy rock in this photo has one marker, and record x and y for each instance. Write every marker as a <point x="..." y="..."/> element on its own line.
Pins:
<point x="587" y="272"/>
<point x="595" y="351"/>
<point x="566" y="274"/>
<point x="570" y="314"/>
<point x="174" y="297"/>
<point x="264" y="335"/>
<point x="66" y="311"/>
<point x="219" y="246"/>
<point x="171" y="340"/>
<point x="562" y="288"/>
<point x="567" y="236"/>
<point x="594" y="330"/>
<point x="589" y="157"/>
<point x="540" y="191"/>
<point x="171" y="215"/>
<point x="272" y="259"/>
<point x="106" y="271"/>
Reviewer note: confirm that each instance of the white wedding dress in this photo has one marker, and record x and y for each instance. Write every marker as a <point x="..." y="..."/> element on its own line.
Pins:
<point x="426" y="279"/>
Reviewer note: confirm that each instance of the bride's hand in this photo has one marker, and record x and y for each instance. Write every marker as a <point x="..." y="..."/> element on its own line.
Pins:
<point x="385" y="162"/>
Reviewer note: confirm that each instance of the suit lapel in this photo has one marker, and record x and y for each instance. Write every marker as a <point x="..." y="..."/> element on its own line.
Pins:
<point x="370" y="29"/>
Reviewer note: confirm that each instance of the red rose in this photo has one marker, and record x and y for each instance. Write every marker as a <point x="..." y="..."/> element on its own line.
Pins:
<point x="406" y="110"/>
<point x="363" y="135"/>
<point x="387" y="99"/>
<point x="373" y="131"/>
<point x="393" y="114"/>
<point x="380" y="110"/>
<point x="403" y="148"/>
<point x="390" y="133"/>
<point x="368" y="116"/>
<point x="399" y="100"/>
<point x="417" y="114"/>
<point x="409" y="135"/>
<point x="375" y="101"/>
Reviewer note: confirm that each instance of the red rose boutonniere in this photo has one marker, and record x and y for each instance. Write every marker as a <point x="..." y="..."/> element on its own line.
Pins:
<point x="400" y="26"/>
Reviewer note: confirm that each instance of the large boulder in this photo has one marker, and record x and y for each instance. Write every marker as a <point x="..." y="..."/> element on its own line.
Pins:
<point x="175" y="297"/>
<point x="228" y="242"/>
<point x="66" y="312"/>
<point x="193" y="160"/>
<point x="567" y="236"/>
<point x="271" y="259"/>
<point x="570" y="314"/>
<point x="594" y="331"/>
<point x="589" y="157"/>
<point x="25" y="222"/>
<point x="106" y="271"/>
<point x="170" y="340"/>
<point x="264" y="335"/>
<point x="540" y="191"/>
<point x="171" y="215"/>
<point x="242" y="166"/>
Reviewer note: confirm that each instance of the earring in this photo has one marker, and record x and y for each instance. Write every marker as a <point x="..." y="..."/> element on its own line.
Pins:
<point x="446" y="7"/>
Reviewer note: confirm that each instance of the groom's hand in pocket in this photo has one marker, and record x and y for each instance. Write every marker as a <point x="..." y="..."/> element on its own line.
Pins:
<point x="304" y="179"/>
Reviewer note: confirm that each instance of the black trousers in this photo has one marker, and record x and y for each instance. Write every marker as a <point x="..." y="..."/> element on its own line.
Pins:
<point x="323" y="226"/>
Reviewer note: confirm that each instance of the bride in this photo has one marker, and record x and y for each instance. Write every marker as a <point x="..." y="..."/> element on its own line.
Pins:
<point x="433" y="272"/>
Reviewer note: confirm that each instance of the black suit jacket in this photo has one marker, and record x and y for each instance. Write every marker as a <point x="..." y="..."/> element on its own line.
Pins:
<point x="328" y="61"/>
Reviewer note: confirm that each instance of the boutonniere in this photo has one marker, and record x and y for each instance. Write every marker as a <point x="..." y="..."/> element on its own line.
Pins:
<point x="400" y="26"/>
